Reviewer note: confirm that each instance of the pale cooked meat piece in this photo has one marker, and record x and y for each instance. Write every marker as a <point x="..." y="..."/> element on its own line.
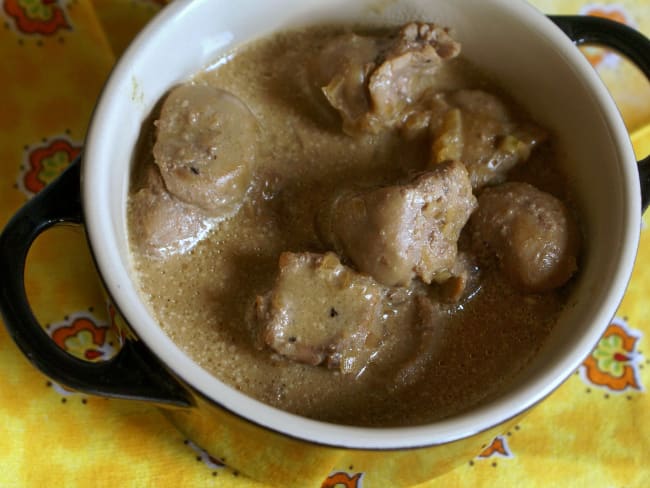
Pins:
<point x="477" y="128"/>
<point x="205" y="147"/>
<point x="320" y="311"/>
<point x="164" y="225"/>
<point x="407" y="70"/>
<point x="342" y="69"/>
<point x="398" y="232"/>
<point x="532" y="234"/>
<point x="377" y="82"/>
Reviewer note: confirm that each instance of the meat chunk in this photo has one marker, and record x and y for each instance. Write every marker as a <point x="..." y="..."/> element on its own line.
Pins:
<point x="341" y="70"/>
<point x="407" y="70"/>
<point x="162" y="224"/>
<point x="476" y="127"/>
<point x="320" y="311"/>
<point x="531" y="233"/>
<point x="205" y="147"/>
<point x="378" y="81"/>
<point x="397" y="232"/>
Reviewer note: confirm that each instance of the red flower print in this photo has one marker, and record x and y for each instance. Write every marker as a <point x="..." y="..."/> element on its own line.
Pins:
<point x="614" y="362"/>
<point x="45" y="162"/>
<point x="498" y="447"/>
<point x="81" y="336"/>
<point x="343" y="480"/>
<point x="43" y="17"/>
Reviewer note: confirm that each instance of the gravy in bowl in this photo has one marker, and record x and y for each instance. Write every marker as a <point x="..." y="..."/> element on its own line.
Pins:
<point x="353" y="225"/>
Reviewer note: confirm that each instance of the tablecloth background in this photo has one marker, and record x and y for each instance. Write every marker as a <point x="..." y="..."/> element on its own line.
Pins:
<point x="54" y="58"/>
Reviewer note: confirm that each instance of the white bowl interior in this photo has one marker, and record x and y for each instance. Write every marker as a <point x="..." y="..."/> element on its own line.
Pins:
<point x="507" y="39"/>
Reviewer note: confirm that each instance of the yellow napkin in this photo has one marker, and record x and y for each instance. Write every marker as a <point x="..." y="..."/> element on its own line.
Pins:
<point x="593" y="431"/>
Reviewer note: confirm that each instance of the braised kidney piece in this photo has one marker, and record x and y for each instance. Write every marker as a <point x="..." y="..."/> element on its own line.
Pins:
<point x="478" y="128"/>
<point x="164" y="225"/>
<point x="532" y="234"/>
<point x="205" y="147"/>
<point x="375" y="82"/>
<point x="397" y="232"/>
<point x="320" y="311"/>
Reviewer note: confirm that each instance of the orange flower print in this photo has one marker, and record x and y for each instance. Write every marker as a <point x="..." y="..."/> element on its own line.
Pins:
<point x="498" y="447"/>
<point x="81" y="336"/>
<point x="598" y="56"/>
<point x="44" y="17"/>
<point x="343" y="480"/>
<point x="44" y="162"/>
<point x="614" y="362"/>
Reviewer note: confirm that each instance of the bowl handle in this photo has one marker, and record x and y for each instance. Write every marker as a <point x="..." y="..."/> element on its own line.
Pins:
<point x="134" y="373"/>
<point x="632" y="44"/>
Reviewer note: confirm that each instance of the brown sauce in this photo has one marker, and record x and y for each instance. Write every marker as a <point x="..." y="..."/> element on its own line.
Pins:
<point x="203" y="299"/>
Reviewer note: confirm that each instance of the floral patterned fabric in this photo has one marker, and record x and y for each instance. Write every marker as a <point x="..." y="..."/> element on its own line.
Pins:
<point x="593" y="431"/>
